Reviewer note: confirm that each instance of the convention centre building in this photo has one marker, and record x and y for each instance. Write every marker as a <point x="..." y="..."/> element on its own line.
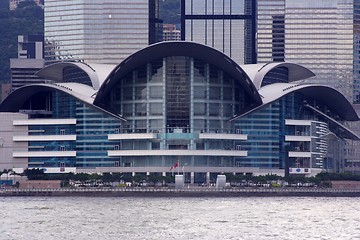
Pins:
<point x="179" y="103"/>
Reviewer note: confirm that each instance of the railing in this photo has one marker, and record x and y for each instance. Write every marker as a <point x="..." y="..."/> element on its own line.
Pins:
<point x="290" y="190"/>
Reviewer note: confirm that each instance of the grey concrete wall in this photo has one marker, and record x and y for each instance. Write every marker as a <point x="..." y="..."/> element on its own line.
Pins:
<point x="7" y="145"/>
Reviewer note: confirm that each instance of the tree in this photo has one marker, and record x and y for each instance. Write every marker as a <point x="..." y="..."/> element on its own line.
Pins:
<point x="138" y="178"/>
<point x="107" y="177"/>
<point x="27" y="19"/>
<point x="35" y="174"/>
<point x="170" y="11"/>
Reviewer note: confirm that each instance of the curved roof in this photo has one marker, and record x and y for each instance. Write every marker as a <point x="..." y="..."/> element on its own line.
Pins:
<point x="96" y="72"/>
<point x="178" y="48"/>
<point x="324" y="94"/>
<point x="257" y="72"/>
<point x="16" y="99"/>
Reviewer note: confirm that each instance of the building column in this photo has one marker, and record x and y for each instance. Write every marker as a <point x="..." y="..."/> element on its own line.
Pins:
<point x="192" y="177"/>
<point x="208" y="178"/>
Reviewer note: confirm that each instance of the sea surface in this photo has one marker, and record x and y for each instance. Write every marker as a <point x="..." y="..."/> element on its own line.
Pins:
<point x="179" y="218"/>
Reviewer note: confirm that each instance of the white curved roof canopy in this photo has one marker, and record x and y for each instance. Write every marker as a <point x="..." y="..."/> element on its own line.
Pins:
<point x="257" y="72"/>
<point x="96" y="72"/>
<point x="82" y="92"/>
<point x="324" y="94"/>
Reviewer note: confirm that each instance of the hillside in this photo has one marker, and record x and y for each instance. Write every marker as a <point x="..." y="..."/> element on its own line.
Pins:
<point x="27" y="19"/>
<point x="170" y="11"/>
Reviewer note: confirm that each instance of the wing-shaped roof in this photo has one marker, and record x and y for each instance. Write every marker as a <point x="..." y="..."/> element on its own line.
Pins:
<point x="96" y="72"/>
<point x="178" y="48"/>
<point x="324" y="94"/>
<point x="82" y="92"/>
<point x="257" y="72"/>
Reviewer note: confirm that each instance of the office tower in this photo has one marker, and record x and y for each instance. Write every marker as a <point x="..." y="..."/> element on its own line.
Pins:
<point x="271" y="31"/>
<point x="171" y="33"/>
<point x="227" y="25"/>
<point x="320" y="35"/>
<point x="99" y="31"/>
<point x="29" y="61"/>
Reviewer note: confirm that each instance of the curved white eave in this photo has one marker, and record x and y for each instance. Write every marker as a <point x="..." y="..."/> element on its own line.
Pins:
<point x="96" y="72"/>
<point x="257" y="72"/>
<point x="82" y="92"/>
<point x="271" y="93"/>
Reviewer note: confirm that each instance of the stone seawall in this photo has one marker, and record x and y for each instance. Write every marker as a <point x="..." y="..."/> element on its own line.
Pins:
<point x="166" y="192"/>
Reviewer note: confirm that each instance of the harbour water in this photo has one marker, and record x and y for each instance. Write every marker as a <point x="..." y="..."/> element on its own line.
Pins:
<point x="247" y="218"/>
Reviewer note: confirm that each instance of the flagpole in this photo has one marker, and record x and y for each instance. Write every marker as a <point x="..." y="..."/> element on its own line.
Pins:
<point x="178" y="166"/>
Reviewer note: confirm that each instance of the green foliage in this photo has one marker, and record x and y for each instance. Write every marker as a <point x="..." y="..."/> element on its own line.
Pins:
<point x="4" y="5"/>
<point x="138" y="178"/>
<point x="27" y="19"/>
<point x="170" y="11"/>
<point x="35" y="174"/>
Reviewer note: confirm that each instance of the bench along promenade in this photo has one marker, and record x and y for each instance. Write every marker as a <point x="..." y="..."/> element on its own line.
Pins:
<point x="184" y="192"/>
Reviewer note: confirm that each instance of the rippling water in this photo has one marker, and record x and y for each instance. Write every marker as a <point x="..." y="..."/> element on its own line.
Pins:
<point x="179" y="218"/>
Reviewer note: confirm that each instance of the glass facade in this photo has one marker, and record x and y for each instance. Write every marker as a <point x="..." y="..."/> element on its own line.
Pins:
<point x="264" y="138"/>
<point x="178" y="94"/>
<point x="91" y="134"/>
<point x="319" y="35"/>
<point x="178" y="98"/>
<point x="270" y="31"/>
<point x="227" y="25"/>
<point x="98" y="32"/>
<point x="194" y="106"/>
<point x="273" y="143"/>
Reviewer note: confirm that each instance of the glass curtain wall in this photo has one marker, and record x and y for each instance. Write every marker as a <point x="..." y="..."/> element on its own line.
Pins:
<point x="98" y="31"/>
<point x="227" y="25"/>
<point x="180" y="93"/>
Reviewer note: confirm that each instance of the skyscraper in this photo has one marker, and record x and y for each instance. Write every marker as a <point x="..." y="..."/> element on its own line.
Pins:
<point x="227" y="25"/>
<point x="29" y="61"/>
<point x="320" y="35"/>
<point x="99" y="31"/>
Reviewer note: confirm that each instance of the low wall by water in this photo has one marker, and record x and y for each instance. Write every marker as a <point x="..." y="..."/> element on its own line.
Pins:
<point x="186" y="192"/>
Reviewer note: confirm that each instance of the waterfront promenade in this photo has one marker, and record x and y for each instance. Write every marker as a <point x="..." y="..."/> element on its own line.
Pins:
<point x="184" y="192"/>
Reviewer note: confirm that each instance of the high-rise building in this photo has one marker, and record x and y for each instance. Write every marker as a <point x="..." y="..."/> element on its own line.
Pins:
<point x="227" y="25"/>
<point x="323" y="36"/>
<point x="99" y="31"/>
<point x="320" y="35"/>
<point x="29" y="61"/>
<point x="171" y="33"/>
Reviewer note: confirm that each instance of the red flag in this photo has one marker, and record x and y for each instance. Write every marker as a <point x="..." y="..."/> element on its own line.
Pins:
<point x="174" y="166"/>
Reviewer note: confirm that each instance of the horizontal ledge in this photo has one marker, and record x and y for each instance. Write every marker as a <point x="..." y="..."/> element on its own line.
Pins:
<point x="229" y="153"/>
<point x="132" y="136"/>
<point x="45" y="154"/>
<point x="222" y="136"/>
<point x="44" y="138"/>
<point x="29" y="122"/>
